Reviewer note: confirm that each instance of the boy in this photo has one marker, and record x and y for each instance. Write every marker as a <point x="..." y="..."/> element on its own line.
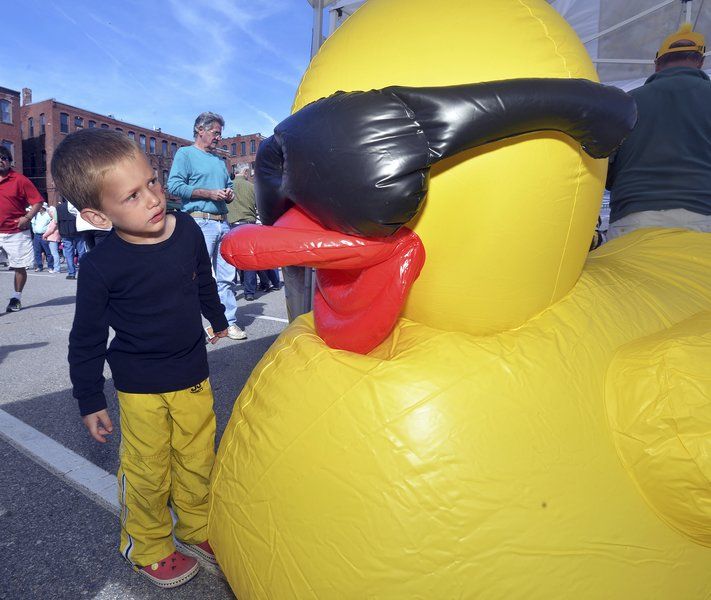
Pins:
<point x="149" y="280"/>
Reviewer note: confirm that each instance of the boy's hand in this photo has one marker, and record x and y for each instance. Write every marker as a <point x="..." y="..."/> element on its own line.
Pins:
<point x="218" y="335"/>
<point x="99" y="425"/>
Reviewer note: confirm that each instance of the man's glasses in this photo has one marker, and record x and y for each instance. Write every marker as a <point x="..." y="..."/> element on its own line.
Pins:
<point x="215" y="133"/>
<point x="9" y="160"/>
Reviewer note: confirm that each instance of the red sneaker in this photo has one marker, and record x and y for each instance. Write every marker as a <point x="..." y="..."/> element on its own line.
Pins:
<point x="172" y="571"/>
<point x="202" y="550"/>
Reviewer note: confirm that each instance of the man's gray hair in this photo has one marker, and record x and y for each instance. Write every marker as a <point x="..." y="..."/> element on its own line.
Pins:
<point x="205" y="119"/>
<point x="242" y="167"/>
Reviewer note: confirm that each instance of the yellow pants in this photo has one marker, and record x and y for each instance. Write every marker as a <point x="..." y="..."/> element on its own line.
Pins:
<point x="167" y="453"/>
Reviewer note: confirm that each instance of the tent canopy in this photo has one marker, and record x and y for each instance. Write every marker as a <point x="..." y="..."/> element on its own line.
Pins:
<point x="621" y="37"/>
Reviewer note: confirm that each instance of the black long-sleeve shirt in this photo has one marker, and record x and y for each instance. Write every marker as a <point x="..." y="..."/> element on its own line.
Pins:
<point x="152" y="296"/>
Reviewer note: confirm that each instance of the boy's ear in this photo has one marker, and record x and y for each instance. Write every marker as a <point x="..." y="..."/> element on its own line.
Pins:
<point x="96" y="218"/>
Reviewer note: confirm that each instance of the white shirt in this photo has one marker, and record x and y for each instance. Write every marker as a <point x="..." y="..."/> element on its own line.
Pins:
<point x="81" y="224"/>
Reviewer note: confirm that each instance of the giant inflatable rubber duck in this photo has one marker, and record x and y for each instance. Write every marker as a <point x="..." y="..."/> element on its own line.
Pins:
<point x="527" y="421"/>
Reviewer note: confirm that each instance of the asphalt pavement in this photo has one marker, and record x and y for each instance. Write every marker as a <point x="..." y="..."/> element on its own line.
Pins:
<point x="58" y="539"/>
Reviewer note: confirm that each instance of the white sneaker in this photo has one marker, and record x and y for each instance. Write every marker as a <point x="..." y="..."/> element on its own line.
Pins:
<point x="235" y="333"/>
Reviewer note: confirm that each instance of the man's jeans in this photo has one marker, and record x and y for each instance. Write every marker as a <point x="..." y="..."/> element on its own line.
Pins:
<point x="250" y="283"/>
<point x="266" y="277"/>
<point x="40" y="246"/>
<point x="73" y="246"/>
<point x="213" y="232"/>
<point x="249" y="278"/>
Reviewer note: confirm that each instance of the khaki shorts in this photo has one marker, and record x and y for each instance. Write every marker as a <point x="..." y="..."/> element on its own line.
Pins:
<point x="674" y="217"/>
<point x="18" y="247"/>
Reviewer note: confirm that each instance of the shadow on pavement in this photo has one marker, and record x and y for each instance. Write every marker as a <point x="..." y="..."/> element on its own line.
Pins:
<point x="61" y="301"/>
<point x="59" y="544"/>
<point x="5" y="350"/>
<point x="56" y="414"/>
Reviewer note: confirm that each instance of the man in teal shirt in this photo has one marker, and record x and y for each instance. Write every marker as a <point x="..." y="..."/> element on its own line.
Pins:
<point x="199" y="178"/>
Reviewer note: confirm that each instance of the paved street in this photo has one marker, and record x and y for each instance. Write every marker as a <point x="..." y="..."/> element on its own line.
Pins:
<point x="59" y="528"/>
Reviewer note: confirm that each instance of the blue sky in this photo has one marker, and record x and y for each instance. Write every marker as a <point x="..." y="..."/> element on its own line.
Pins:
<point x="161" y="62"/>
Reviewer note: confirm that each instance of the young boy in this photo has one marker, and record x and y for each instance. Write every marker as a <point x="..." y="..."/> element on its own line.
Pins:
<point x="149" y="281"/>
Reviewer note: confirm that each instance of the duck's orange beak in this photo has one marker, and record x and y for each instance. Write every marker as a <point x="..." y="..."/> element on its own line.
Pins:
<point x="361" y="283"/>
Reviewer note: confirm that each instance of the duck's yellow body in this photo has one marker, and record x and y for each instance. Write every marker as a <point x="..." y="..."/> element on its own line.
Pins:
<point x="536" y="426"/>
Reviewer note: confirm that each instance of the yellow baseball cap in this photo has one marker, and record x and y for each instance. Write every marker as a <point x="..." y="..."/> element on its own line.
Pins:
<point x="685" y="32"/>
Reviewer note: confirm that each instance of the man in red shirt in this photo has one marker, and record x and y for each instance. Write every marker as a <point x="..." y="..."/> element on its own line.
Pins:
<point x="16" y="194"/>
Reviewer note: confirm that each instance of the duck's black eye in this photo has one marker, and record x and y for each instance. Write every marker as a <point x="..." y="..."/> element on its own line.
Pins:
<point x="357" y="162"/>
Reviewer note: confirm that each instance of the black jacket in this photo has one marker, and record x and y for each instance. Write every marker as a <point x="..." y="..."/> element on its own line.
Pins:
<point x="666" y="161"/>
<point x="66" y="221"/>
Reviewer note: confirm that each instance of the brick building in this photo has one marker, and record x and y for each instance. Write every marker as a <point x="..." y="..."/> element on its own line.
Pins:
<point x="240" y="149"/>
<point x="45" y="123"/>
<point x="10" y="119"/>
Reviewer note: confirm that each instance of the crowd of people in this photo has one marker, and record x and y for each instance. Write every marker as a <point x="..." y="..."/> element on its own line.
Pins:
<point x="58" y="236"/>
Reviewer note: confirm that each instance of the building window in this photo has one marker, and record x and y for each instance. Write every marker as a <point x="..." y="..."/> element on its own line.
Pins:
<point x="173" y="148"/>
<point x="243" y="148"/>
<point x="131" y="135"/>
<point x="233" y="149"/>
<point x="165" y="177"/>
<point x="79" y="122"/>
<point x="9" y="145"/>
<point x="104" y="126"/>
<point x="119" y="130"/>
<point x="64" y="122"/>
<point x="142" y="142"/>
<point x="5" y="111"/>
<point x="92" y="124"/>
<point x="31" y="127"/>
<point x="252" y="146"/>
<point x="164" y="148"/>
<point x="43" y="123"/>
<point x="153" y="145"/>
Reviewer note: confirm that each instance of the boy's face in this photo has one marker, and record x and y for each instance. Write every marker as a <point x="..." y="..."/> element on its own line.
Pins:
<point x="133" y="201"/>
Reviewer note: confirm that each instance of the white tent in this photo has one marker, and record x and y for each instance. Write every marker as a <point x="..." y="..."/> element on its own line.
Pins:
<point x="621" y="37"/>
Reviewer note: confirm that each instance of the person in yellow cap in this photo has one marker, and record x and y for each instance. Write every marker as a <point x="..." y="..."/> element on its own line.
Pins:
<point x="661" y="175"/>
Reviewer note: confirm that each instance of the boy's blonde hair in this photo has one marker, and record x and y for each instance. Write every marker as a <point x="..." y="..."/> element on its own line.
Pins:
<point x="81" y="161"/>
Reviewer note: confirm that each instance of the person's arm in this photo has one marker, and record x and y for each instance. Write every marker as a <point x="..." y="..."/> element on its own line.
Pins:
<point x="24" y="221"/>
<point x="177" y="183"/>
<point x="34" y="200"/>
<point x="52" y="227"/>
<point x="229" y="194"/>
<point x="87" y="342"/>
<point x="215" y="195"/>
